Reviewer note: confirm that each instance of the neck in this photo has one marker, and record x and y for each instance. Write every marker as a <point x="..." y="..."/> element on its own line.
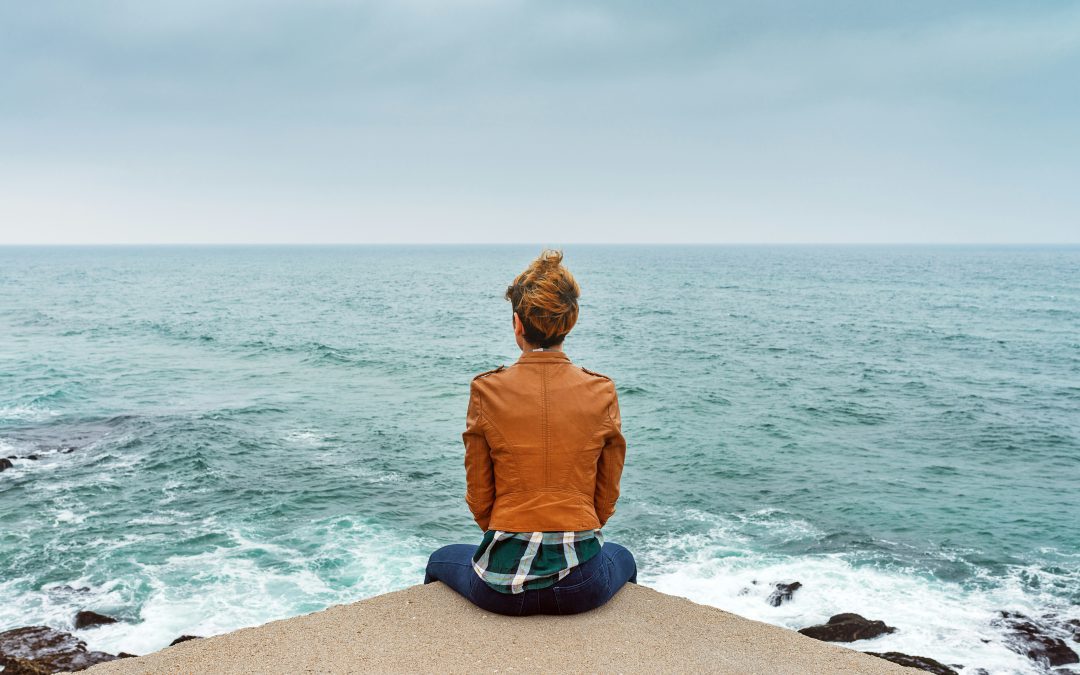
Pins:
<point x="526" y="347"/>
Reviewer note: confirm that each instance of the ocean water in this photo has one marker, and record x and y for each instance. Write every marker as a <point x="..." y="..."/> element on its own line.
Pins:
<point x="232" y="435"/>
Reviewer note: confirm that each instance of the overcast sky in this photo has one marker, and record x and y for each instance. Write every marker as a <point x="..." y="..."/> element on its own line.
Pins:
<point x="547" y="121"/>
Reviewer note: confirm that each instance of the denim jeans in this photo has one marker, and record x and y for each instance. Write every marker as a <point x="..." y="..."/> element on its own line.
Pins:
<point x="586" y="587"/>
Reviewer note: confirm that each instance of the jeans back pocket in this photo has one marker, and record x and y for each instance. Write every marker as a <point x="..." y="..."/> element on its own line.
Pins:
<point x="585" y="595"/>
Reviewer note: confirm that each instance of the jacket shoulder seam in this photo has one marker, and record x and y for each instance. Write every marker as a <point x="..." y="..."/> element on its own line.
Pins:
<point x="489" y="372"/>
<point x="593" y="372"/>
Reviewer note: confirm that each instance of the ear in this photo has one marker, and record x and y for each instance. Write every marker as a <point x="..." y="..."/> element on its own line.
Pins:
<point x="519" y="328"/>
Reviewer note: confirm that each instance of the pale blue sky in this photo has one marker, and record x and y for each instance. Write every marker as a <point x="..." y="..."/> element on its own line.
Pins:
<point x="547" y="121"/>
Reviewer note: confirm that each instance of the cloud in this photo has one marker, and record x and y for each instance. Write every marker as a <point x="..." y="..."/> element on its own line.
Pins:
<point x="619" y="120"/>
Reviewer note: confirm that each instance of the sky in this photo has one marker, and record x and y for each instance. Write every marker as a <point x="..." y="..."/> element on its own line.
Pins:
<point x="513" y="121"/>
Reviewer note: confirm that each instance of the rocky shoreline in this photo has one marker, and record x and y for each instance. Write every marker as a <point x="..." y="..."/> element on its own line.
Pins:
<point x="33" y="650"/>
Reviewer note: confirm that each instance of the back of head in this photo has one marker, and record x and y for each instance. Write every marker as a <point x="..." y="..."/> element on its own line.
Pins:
<point x="545" y="298"/>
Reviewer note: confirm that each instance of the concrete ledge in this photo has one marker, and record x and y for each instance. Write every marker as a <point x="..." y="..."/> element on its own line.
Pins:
<point x="430" y="628"/>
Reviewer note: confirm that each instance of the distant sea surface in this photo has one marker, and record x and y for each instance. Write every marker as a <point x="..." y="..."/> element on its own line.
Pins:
<point x="231" y="435"/>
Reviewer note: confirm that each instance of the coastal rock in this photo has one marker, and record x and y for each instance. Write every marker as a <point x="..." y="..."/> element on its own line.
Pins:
<point x="50" y="649"/>
<point x="846" y="627"/>
<point x="125" y="655"/>
<point x="5" y="464"/>
<point x="920" y="662"/>
<point x="34" y="457"/>
<point x="16" y="666"/>
<point x="87" y="618"/>
<point x="1026" y="636"/>
<point x="184" y="638"/>
<point x="783" y="592"/>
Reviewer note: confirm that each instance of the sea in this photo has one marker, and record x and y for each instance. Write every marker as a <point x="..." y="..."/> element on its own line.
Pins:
<point x="229" y="435"/>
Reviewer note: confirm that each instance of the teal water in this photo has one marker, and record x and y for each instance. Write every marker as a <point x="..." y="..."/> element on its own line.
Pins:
<point x="260" y="432"/>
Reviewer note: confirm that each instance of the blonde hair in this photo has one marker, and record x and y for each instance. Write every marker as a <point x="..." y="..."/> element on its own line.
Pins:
<point x="545" y="298"/>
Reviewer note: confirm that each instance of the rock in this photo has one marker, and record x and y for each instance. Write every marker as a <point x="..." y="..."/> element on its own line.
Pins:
<point x="5" y="464"/>
<point x="184" y="638"/>
<point x="68" y="449"/>
<point x="1074" y="624"/>
<point x="32" y="457"/>
<point x="50" y="649"/>
<point x="16" y="666"/>
<point x="783" y="592"/>
<point x="921" y="662"/>
<point x="87" y="618"/>
<point x="125" y="655"/>
<point x="847" y="627"/>
<point x="1026" y="636"/>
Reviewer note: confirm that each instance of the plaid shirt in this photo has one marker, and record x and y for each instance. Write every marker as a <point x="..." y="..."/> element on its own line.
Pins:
<point x="514" y="562"/>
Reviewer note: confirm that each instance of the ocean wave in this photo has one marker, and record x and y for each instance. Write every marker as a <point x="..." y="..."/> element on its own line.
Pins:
<point x="952" y="622"/>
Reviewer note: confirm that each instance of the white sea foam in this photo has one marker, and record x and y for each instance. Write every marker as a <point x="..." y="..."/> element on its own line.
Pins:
<point x="69" y="517"/>
<point x="25" y="413"/>
<point x="306" y="437"/>
<point x="939" y="619"/>
<point x="253" y="581"/>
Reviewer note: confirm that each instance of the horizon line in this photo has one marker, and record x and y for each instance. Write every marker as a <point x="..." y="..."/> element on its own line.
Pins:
<point x="566" y="244"/>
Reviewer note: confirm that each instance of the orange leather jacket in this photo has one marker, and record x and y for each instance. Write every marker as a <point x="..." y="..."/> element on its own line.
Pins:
<point x="544" y="448"/>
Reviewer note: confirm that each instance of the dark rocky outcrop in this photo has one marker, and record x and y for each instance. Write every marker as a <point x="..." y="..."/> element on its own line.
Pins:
<point x="184" y="638"/>
<point x="783" y="592"/>
<point x="1035" y="640"/>
<point x="33" y="457"/>
<point x="847" y="627"/>
<point x="1074" y="627"/>
<point x="920" y="662"/>
<point x="87" y="618"/>
<point x="16" y="666"/>
<point x="125" y="655"/>
<point x="5" y="464"/>
<point x="48" y="649"/>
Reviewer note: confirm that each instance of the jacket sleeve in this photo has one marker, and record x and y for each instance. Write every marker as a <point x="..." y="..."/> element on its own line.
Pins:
<point x="610" y="465"/>
<point x="479" y="470"/>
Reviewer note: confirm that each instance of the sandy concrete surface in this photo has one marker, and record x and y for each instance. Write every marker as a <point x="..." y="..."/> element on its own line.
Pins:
<point x="430" y="628"/>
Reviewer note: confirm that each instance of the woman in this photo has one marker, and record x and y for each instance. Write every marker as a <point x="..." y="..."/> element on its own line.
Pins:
<point x="544" y="453"/>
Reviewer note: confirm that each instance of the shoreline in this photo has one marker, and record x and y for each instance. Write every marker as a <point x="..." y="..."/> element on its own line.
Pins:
<point x="431" y="627"/>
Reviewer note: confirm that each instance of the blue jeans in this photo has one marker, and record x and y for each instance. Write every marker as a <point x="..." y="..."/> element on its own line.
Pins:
<point x="586" y="587"/>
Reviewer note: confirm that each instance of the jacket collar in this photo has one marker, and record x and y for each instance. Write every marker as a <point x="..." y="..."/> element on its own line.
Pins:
<point x="544" y="356"/>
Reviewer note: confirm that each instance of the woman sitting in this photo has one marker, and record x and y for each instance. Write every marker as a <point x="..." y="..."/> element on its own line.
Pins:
<point x="544" y="452"/>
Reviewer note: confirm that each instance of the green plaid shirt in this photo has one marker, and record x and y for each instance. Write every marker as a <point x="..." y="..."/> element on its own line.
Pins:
<point x="514" y="562"/>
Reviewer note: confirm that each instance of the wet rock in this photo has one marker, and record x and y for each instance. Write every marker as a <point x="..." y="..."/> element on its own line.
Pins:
<point x="783" y="592"/>
<point x="1074" y="624"/>
<point x="125" y="655"/>
<point x="184" y="638"/>
<point x="50" y="649"/>
<point x="1034" y="640"/>
<point x="5" y="464"/>
<point x="67" y="449"/>
<point x="847" y="627"/>
<point x="87" y="618"/>
<point x="16" y="666"/>
<point x="920" y="662"/>
<point x="35" y="457"/>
